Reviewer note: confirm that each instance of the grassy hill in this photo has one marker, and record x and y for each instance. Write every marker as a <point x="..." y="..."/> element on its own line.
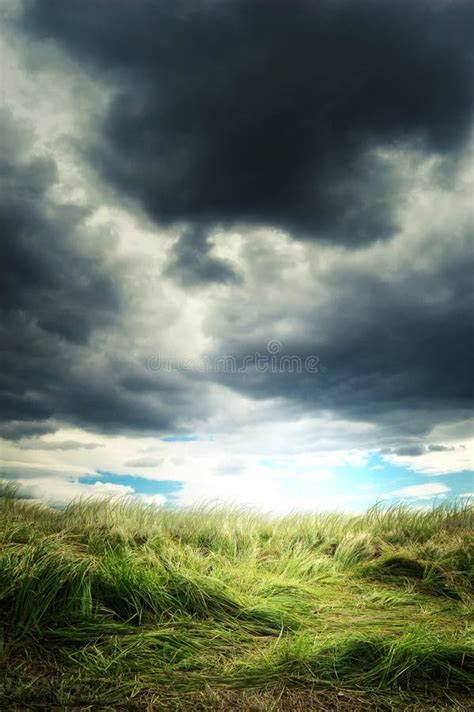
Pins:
<point x="111" y="605"/>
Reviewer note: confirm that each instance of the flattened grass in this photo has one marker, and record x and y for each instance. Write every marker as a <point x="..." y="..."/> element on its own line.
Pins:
<point x="109" y="603"/>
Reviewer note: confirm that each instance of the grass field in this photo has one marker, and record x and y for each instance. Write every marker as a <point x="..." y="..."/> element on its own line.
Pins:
<point x="112" y="605"/>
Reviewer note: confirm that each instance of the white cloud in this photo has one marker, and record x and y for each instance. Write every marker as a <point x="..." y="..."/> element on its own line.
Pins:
<point x="155" y="500"/>
<point x="423" y="491"/>
<point x="321" y="474"/>
<point x="267" y="494"/>
<point x="267" y="460"/>
<point x="58" y="491"/>
<point x="456" y="455"/>
<point x="107" y="489"/>
<point x="436" y="463"/>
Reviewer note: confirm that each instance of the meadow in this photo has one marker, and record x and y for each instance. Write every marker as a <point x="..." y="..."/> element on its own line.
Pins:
<point x="112" y="605"/>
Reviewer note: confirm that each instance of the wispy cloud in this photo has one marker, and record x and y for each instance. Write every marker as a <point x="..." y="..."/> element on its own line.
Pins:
<point x="431" y="489"/>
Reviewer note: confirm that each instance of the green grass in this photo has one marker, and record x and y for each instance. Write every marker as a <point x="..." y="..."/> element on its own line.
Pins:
<point x="114" y="605"/>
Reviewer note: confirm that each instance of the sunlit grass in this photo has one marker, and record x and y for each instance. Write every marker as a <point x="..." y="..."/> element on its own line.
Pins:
<point x="113" y="603"/>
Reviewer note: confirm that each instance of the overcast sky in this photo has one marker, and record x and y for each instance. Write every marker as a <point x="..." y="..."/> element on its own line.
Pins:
<point x="236" y="238"/>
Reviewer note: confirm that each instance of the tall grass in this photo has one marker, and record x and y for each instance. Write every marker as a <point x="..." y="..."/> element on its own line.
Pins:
<point x="109" y="602"/>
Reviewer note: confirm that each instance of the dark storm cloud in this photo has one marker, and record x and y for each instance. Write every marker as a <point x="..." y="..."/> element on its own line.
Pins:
<point x="15" y="430"/>
<point x="249" y="111"/>
<point x="192" y="264"/>
<point x="53" y="292"/>
<point x="49" y="279"/>
<point x="393" y="351"/>
<point x="61" y="290"/>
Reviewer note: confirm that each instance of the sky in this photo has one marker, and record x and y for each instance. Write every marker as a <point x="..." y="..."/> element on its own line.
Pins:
<point x="236" y="249"/>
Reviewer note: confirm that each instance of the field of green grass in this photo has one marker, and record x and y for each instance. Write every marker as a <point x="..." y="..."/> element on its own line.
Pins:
<point x="111" y="605"/>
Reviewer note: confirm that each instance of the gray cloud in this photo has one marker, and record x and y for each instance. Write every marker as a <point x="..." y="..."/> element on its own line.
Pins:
<point x="44" y="255"/>
<point x="293" y="115"/>
<point x="406" y="450"/>
<point x="269" y="113"/>
<point x="192" y="264"/>
<point x="63" y="445"/>
<point x="55" y="289"/>
<point x="440" y="448"/>
<point x="144" y="462"/>
<point x="15" y="430"/>
<point x="60" y="296"/>
<point x="395" y="345"/>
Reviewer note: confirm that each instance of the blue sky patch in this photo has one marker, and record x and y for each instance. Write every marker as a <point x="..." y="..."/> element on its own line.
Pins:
<point x="141" y="485"/>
